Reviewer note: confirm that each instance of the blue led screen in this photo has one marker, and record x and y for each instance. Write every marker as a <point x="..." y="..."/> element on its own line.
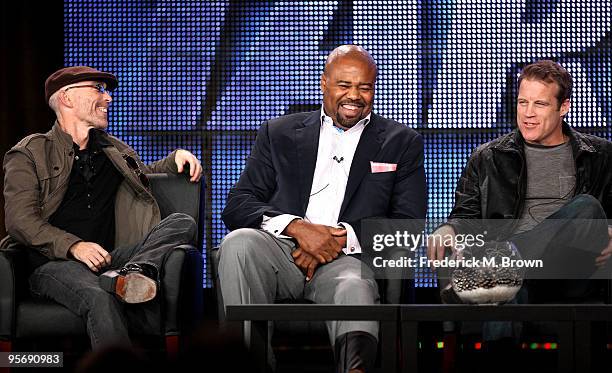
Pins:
<point x="203" y="75"/>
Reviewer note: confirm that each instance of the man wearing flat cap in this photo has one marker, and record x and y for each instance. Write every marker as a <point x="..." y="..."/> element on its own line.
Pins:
<point x="79" y="199"/>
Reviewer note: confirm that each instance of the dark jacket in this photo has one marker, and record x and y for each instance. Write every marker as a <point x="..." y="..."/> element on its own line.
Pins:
<point x="494" y="181"/>
<point x="279" y="173"/>
<point x="36" y="174"/>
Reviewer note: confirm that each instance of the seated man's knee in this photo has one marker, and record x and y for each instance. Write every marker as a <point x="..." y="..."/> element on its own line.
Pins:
<point x="181" y="222"/>
<point x="240" y="243"/>
<point x="355" y="290"/>
<point x="180" y="219"/>
<point x="587" y="207"/>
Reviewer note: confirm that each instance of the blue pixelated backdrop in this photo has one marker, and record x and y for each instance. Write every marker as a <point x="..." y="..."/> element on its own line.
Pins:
<point x="203" y="75"/>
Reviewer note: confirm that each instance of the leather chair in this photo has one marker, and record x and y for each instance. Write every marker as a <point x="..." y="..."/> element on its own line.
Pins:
<point x="181" y="304"/>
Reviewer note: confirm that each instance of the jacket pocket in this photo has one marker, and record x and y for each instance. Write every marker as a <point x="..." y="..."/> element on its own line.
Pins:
<point x="51" y="178"/>
<point x="382" y="176"/>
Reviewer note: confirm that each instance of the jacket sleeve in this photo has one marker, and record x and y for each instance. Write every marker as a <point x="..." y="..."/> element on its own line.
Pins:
<point x="247" y="201"/>
<point x="467" y="206"/>
<point x="22" y="209"/>
<point x="165" y="165"/>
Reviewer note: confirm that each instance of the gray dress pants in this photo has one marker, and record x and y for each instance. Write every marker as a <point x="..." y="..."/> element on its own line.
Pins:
<point x="256" y="267"/>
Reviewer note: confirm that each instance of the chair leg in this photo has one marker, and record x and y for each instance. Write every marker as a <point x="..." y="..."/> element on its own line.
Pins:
<point x="172" y="346"/>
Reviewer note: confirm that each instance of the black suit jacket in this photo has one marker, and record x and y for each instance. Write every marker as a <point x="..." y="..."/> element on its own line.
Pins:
<point x="278" y="175"/>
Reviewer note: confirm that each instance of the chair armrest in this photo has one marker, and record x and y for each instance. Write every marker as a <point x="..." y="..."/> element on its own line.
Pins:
<point x="13" y="280"/>
<point x="181" y="285"/>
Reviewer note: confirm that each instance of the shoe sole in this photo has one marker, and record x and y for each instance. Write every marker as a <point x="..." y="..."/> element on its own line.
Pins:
<point x="130" y="288"/>
<point x="135" y="288"/>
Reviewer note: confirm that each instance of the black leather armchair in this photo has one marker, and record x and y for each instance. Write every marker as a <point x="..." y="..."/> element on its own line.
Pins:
<point x="180" y="307"/>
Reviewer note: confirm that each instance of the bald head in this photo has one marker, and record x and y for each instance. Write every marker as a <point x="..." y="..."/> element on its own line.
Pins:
<point x="351" y="51"/>
<point x="347" y="84"/>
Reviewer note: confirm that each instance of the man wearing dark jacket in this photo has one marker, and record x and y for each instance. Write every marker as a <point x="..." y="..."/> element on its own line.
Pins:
<point x="544" y="186"/>
<point x="296" y="211"/>
<point x="79" y="200"/>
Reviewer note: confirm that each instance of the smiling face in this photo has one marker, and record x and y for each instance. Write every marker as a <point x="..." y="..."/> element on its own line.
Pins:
<point x="90" y="106"/>
<point x="348" y="89"/>
<point x="539" y="115"/>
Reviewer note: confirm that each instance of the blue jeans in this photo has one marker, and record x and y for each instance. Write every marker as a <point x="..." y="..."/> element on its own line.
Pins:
<point x="568" y="241"/>
<point x="571" y="238"/>
<point x="72" y="284"/>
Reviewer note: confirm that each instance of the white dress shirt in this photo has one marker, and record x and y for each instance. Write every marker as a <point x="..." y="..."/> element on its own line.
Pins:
<point x="334" y="158"/>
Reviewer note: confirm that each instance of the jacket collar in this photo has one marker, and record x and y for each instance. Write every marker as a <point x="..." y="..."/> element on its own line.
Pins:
<point x="514" y="141"/>
<point x="580" y="142"/>
<point x="368" y="147"/>
<point x="64" y="139"/>
<point x="66" y="142"/>
<point x="99" y="137"/>
<point x="306" y="146"/>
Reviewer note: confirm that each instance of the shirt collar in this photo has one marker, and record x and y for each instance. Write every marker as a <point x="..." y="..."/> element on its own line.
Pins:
<point x="95" y="142"/>
<point x="327" y="119"/>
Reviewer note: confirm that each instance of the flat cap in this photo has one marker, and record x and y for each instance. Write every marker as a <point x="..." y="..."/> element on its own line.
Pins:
<point x="75" y="74"/>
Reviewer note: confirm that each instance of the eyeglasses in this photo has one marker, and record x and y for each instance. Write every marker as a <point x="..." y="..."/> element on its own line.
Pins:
<point x="134" y="166"/>
<point x="99" y="87"/>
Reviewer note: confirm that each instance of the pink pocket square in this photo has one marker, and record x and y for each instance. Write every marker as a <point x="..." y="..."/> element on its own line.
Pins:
<point x="382" y="167"/>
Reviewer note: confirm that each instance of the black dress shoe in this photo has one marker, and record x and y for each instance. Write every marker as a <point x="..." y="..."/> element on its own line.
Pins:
<point x="134" y="283"/>
<point x="355" y="352"/>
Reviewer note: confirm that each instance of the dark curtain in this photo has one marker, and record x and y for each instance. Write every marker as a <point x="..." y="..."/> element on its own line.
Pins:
<point x="31" y="48"/>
